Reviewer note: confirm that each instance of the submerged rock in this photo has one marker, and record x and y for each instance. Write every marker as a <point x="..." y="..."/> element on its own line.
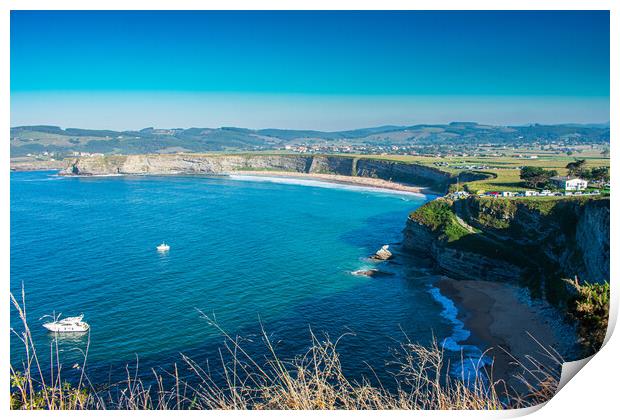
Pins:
<point x="371" y="272"/>
<point x="382" y="254"/>
<point x="367" y="273"/>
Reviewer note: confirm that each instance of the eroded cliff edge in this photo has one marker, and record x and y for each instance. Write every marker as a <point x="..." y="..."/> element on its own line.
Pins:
<point x="408" y="173"/>
<point x="533" y="242"/>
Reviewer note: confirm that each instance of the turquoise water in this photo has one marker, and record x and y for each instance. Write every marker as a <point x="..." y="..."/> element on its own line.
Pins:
<point x="247" y="252"/>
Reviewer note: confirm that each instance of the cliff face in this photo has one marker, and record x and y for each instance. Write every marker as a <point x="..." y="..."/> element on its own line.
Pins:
<point x="536" y="242"/>
<point x="592" y="238"/>
<point x="401" y="172"/>
<point x="174" y="164"/>
<point x="217" y="164"/>
<point x="457" y="261"/>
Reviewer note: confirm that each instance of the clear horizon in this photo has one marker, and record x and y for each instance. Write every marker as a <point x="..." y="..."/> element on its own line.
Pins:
<point x="307" y="70"/>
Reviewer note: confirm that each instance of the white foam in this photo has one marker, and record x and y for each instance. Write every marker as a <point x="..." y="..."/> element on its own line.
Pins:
<point x="92" y="176"/>
<point x="473" y="359"/>
<point x="51" y="178"/>
<point x="322" y="184"/>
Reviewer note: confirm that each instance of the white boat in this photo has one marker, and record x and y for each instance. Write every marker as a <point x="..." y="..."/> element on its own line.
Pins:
<point x="70" y="324"/>
<point x="163" y="247"/>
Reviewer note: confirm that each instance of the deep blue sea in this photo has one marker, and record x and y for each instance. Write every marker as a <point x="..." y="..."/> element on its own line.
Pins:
<point x="249" y="252"/>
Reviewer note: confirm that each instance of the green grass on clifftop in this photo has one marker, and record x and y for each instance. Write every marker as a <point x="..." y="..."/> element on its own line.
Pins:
<point x="438" y="216"/>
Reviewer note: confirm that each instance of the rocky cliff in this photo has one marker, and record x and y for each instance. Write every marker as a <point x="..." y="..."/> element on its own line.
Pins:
<point x="534" y="241"/>
<point x="217" y="164"/>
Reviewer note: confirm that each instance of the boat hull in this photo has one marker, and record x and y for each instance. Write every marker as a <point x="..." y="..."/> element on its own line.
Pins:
<point x="66" y="328"/>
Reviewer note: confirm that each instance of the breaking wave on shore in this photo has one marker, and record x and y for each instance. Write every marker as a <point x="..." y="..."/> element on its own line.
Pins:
<point x="321" y="183"/>
<point x="473" y="358"/>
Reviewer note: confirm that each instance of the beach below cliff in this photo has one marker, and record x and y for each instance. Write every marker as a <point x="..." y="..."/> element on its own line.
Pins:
<point x="340" y="179"/>
<point x="514" y="328"/>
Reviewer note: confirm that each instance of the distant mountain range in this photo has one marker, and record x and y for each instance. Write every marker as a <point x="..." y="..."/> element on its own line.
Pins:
<point x="43" y="138"/>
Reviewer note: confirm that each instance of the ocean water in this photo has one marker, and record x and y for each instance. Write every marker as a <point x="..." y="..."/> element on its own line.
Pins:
<point x="251" y="253"/>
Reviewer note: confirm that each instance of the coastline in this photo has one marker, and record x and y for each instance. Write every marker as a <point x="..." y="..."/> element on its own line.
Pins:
<point x="502" y="320"/>
<point x="19" y="165"/>
<point x="341" y="179"/>
<point x="25" y="165"/>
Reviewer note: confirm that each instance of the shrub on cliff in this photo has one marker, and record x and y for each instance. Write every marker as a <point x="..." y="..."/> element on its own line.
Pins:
<point x="29" y="395"/>
<point x="492" y="212"/>
<point x="438" y="216"/>
<point x="590" y="306"/>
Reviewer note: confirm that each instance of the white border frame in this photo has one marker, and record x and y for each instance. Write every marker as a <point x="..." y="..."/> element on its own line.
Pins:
<point x="591" y="394"/>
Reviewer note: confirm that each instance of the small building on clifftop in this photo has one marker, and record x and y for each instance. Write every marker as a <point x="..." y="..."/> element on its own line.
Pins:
<point x="570" y="183"/>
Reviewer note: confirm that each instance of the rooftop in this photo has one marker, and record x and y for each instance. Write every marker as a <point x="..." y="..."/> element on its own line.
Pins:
<point x="565" y="178"/>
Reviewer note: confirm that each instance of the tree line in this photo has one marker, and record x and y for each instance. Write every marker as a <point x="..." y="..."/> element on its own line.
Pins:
<point x="537" y="177"/>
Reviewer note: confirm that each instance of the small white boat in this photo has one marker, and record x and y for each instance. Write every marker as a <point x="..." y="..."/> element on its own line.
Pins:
<point x="70" y="324"/>
<point x="163" y="247"/>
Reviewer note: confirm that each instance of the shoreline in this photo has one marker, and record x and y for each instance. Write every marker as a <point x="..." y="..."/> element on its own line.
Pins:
<point x="36" y="166"/>
<point x="341" y="179"/>
<point x="378" y="183"/>
<point x="500" y="319"/>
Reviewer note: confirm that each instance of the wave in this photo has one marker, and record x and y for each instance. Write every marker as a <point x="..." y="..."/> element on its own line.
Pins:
<point x="322" y="184"/>
<point x="473" y="358"/>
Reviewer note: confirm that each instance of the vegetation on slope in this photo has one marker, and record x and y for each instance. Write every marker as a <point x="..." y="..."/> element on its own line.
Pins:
<point x="590" y="307"/>
<point x="439" y="216"/>
<point x="543" y="230"/>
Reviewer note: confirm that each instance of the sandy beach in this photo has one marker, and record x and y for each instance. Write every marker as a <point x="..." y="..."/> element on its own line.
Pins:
<point x="500" y="320"/>
<point x="37" y="165"/>
<point x="342" y="179"/>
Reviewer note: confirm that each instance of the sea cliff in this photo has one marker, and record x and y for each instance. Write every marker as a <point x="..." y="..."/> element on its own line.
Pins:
<point x="534" y="242"/>
<point x="389" y="170"/>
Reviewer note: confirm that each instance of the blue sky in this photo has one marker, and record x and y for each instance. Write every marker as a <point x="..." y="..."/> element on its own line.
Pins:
<point x="323" y="70"/>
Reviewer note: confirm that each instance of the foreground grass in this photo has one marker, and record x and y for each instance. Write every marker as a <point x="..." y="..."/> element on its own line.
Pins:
<point x="312" y="381"/>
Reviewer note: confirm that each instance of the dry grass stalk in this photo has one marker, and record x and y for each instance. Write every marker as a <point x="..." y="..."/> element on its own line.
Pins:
<point x="312" y="381"/>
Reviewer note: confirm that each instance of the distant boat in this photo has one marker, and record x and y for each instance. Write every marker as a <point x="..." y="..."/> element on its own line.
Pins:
<point x="163" y="247"/>
<point x="69" y="324"/>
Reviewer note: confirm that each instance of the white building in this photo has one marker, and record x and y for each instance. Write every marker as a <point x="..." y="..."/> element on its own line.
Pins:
<point x="570" y="183"/>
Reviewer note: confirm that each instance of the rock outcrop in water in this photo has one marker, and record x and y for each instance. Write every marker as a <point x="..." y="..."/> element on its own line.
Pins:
<point x="410" y="173"/>
<point x="535" y="242"/>
<point x="383" y="254"/>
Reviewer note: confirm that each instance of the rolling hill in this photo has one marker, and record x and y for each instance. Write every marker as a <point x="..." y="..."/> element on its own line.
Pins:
<point x="43" y="138"/>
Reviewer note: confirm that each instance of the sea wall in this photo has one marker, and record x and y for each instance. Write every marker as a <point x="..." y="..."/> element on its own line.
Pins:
<point x="533" y="241"/>
<point x="217" y="164"/>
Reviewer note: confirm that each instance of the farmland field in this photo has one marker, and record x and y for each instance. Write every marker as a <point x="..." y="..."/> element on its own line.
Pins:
<point x="506" y="169"/>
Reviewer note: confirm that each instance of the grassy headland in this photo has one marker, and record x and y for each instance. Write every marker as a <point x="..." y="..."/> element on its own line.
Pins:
<point x="536" y="242"/>
<point x="503" y="171"/>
